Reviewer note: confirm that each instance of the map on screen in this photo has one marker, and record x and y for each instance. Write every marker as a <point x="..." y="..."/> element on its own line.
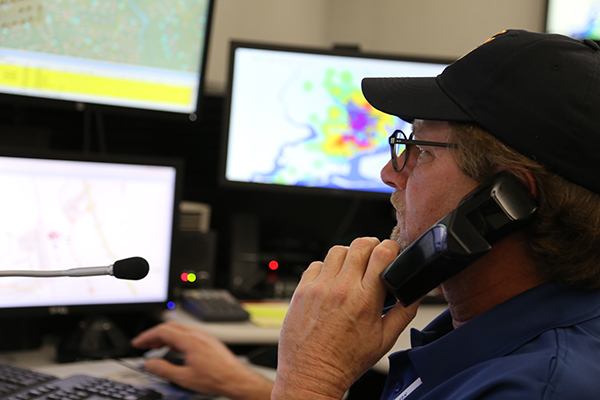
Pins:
<point x="300" y="119"/>
<point x="142" y="53"/>
<point x="57" y="215"/>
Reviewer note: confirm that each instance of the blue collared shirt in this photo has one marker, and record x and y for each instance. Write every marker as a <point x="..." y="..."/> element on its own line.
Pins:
<point x="541" y="344"/>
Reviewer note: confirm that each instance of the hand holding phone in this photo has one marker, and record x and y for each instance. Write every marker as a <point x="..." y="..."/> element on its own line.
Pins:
<point x="492" y="210"/>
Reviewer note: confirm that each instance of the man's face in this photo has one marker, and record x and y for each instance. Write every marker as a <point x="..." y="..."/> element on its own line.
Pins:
<point x="430" y="185"/>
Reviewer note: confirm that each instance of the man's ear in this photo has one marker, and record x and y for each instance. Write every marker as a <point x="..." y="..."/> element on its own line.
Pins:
<point x="526" y="177"/>
<point x="531" y="183"/>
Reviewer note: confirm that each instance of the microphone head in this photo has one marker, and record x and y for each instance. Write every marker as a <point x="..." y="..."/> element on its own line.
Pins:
<point x="134" y="268"/>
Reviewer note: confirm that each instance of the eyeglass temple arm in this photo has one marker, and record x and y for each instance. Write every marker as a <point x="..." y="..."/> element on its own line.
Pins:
<point x="394" y="140"/>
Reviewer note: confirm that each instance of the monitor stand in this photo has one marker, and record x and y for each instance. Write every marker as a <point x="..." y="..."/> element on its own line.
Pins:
<point x="96" y="337"/>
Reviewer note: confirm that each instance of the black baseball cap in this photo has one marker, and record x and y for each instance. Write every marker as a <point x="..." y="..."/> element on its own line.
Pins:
<point x="537" y="93"/>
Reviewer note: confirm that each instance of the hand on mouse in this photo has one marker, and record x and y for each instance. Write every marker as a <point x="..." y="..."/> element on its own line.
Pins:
<point x="166" y="353"/>
<point x="209" y="367"/>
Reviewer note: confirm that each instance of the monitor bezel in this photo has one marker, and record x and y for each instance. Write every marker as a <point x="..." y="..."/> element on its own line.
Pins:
<point x="344" y="51"/>
<point x="101" y="108"/>
<point x="95" y="309"/>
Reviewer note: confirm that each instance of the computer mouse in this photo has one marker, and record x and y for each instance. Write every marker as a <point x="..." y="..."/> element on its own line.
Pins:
<point x="166" y="353"/>
<point x="175" y="357"/>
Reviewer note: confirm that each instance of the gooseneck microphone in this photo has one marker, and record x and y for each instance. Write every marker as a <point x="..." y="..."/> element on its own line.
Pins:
<point x="134" y="268"/>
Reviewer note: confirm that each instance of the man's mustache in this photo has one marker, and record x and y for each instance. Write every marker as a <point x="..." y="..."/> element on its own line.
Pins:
<point x="397" y="202"/>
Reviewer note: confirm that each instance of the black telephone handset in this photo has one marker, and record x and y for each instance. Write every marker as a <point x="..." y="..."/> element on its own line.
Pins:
<point x="493" y="209"/>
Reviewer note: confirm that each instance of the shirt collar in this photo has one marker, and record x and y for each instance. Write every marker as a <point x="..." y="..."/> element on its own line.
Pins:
<point x="474" y="342"/>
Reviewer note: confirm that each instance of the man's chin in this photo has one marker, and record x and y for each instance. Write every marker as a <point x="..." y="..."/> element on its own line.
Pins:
<point x="398" y="238"/>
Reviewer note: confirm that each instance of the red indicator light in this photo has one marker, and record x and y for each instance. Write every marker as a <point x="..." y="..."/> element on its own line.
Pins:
<point x="273" y="265"/>
<point x="184" y="277"/>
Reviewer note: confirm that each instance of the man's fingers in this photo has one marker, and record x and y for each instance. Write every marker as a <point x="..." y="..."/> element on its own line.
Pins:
<point x="379" y="259"/>
<point x="312" y="272"/>
<point x="349" y="260"/>
<point x="160" y="335"/>
<point x="357" y="258"/>
<point x="398" y="318"/>
<point x="333" y="261"/>
<point x="163" y="368"/>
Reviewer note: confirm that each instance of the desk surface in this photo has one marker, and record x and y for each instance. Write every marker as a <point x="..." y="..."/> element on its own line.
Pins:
<point x="249" y="333"/>
<point x="230" y="333"/>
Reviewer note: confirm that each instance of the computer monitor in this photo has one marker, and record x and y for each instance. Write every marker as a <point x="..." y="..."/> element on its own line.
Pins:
<point x="62" y="212"/>
<point x="145" y="55"/>
<point x="296" y="119"/>
<point x="576" y="18"/>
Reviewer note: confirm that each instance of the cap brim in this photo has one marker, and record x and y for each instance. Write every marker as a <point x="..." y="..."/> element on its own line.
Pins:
<point x="412" y="98"/>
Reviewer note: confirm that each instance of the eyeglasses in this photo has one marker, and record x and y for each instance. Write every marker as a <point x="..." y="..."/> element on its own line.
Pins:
<point x="400" y="145"/>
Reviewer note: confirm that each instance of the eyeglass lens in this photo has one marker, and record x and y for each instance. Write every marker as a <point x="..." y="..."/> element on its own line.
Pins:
<point x="398" y="150"/>
<point x="399" y="147"/>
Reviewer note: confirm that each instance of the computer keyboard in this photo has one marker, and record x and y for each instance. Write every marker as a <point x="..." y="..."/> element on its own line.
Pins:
<point x="18" y="383"/>
<point x="14" y="379"/>
<point x="214" y="305"/>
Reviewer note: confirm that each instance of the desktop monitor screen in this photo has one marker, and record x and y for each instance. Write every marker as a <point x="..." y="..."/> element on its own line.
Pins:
<point x="576" y="18"/>
<point x="296" y="118"/>
<point x="142" y="55"/>
<point x="58" y="214"/>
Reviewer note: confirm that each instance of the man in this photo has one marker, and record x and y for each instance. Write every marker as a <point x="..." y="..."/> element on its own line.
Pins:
<point x="523" y="320"/>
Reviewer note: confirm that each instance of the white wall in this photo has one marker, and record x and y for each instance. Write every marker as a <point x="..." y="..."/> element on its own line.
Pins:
<point x="273" y="21"/>
<point x="432" y="28"/>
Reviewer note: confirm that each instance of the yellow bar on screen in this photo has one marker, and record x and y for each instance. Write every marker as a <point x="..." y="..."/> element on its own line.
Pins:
<point x="92" y="85"/>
